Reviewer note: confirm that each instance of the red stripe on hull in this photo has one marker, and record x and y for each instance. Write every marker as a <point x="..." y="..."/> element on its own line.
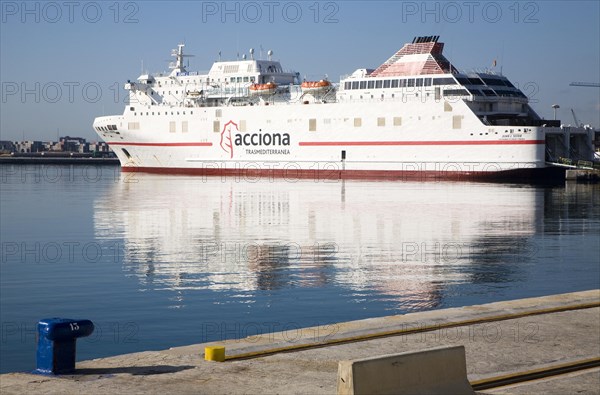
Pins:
<point x="351" y="143"/>
<point x="162" y="144"/>
<point x="532" y="175"/>
<point x="466" y="142"/>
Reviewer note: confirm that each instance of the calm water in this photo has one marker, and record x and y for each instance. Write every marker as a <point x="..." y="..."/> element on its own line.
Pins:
<point x="162" y="261"/>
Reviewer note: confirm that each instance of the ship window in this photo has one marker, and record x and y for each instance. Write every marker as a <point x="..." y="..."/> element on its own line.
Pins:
<point x="172" y="127"/>
<point x="354" y="84"/>
<point x="402" y="83"/>
<point x="135" y="114"/>
<point x="394" y="83"/>
<point x="444" y="81"/>
<point x="455" y="92"/>
<point x="410" y="82"/>
<point x="245" y="79"/>
<point x="378" y="84"/>
<point x="427" y="82"/>
<point x="312" y="125"/>
<point x="363" y="84"/>
<point x="347" y="85"/>
<point x="381" y="121"/>
<point x="397" y="121"/>
<point x="370" y="84"/>
<point x="184" y="127"/>
<point x="475" y="81"/>
<point x="357" y="122"/>
<point x="419" y="81"/>
<point x="131" y="108"/>
<point x="243" y="125"/>
<point x="492" y="81"/>
<point x="127" y="154"/>
<point x="456" y="121"/>
<point x="386" y="83"/>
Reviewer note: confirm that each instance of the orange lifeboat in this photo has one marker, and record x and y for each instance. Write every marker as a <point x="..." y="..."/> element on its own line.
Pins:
<point x="263" y="89"/>
<point x="315" y="86"/>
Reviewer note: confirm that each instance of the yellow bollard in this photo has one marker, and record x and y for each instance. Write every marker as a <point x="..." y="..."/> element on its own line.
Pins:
<point x="216" y="353"/>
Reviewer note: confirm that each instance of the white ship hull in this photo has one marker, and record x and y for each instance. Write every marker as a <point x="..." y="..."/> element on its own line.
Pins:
<point x="424" y="142"/>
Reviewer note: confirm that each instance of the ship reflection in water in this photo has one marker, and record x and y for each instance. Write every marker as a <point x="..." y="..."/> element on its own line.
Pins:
<point x="408" y="244"/>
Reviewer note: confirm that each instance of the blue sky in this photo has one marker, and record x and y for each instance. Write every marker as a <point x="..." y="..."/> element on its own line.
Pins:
<point x="64" y="63"/>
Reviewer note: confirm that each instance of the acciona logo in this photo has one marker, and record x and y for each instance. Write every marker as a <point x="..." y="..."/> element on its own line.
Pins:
<point x="231" y="137"/>
<point x="226" y="141"/>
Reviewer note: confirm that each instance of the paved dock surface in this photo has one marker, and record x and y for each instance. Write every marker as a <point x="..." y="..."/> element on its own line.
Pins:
<point x="495" y="345"/>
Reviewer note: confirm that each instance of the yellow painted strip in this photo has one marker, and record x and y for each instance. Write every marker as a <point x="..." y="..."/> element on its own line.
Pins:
<point x="535" y="374"/>
<point x="408" y="331"/>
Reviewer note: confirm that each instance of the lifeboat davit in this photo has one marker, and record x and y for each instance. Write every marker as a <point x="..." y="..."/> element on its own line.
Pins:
<point x="315" y="86"/>
<point x="263" y="89"/>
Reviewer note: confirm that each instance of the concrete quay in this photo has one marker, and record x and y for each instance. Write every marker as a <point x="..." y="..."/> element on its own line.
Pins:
<point x="583" y="175"/>
<point x="499" y="339"/>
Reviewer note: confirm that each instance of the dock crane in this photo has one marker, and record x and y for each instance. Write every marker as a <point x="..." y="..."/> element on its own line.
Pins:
<point x="588" y="84"/>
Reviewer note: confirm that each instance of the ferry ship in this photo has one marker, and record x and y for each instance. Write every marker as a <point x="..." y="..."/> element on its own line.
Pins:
<point x="416" y="116"/>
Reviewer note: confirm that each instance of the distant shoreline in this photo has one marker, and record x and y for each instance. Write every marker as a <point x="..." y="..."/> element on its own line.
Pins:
<point x="57" y="160"/>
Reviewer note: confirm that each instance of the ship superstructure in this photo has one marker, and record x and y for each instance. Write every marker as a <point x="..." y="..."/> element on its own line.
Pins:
<point x="416" y="115"/>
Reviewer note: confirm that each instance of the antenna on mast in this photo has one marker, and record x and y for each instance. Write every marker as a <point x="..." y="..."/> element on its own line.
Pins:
<point x="178" y="66"/>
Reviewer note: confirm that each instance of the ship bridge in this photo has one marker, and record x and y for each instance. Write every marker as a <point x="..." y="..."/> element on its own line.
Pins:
<point x="225" y="82"/>
<point x="250" y="71"/>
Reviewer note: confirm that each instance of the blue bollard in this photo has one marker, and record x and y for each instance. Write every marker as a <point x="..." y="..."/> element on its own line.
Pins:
<point x="56" y="344"/>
